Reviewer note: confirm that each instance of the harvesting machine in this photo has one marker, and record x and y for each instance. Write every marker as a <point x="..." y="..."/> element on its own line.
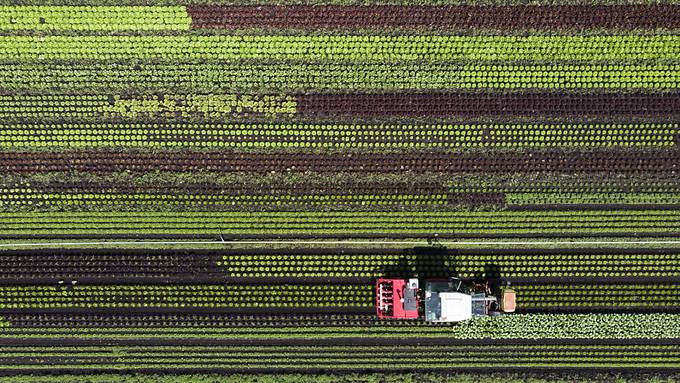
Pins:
<point x="445" y="300"/>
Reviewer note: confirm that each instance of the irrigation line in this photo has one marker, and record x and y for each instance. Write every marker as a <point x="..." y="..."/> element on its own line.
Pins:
<point x="336" y="242"/>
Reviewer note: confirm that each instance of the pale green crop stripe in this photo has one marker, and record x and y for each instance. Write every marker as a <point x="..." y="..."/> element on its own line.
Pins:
<point x="98" y="18"/>
<point x="348" y="48"/>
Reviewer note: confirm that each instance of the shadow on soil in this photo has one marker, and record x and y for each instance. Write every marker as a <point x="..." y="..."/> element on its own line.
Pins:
<point x="436" y="262"/>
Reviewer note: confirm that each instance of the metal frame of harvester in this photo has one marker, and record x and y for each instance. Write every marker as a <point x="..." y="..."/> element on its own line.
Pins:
<point x="445" y="300"/>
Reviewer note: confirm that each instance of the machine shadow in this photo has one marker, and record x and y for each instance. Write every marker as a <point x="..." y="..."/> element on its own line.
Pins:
<point x="431" y="262"/>
<point x="424" y="263"/>
<point x="492" y="276"/>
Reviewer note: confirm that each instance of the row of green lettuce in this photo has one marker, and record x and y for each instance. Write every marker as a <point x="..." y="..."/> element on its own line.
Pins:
<point x="267" y="76"/>
<point x="511" y="326"/>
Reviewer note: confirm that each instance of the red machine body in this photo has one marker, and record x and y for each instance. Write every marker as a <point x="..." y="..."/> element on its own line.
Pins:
<point x="396" y="299"/>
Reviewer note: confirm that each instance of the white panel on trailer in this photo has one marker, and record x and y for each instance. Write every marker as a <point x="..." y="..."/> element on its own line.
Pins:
<point x="455" y="307"/>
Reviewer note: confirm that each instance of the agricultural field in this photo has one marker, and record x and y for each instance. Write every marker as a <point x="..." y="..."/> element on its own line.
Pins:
<point x="209" y="190"/>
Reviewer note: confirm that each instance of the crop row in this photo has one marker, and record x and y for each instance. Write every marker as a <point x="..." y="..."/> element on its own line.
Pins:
<point x="116" y="264"/>
<point x="35" y="200"/>
<point x="596" y="296"/>
<point x="337" y="183"/>
<point x="530" y="105"/>
<point x="205" y="320"/>
<point x="272" y="224"/>
<point x="520" y="199"/>
<point x="518" y="326"/>
<point x="89" y="107"/>
<point x="184" y="296"/>
<point x="338" y="48"/>
<point x="228" y="77"/>
<point x="162" y="202"/>
<point x="549" y="183"/>
<point x="87" y="18"/>
<point x="98" y="18"/>
<point x="214" y="326"/>
<point x="226" y="108"/>
<point x="292" y="184"/>
<point x="331" y="264"/>
<point x="376" y="224"/>
<point x="437" y="18"/>
<point x="289" y="184"/>
<point x="293" y="136"/>
<point x="103" y="162"/>
<point x="465" y="265"/>
<point x="337" y="358"/>
<point x="536" y="297"/>
<point x="440" y="3"/>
